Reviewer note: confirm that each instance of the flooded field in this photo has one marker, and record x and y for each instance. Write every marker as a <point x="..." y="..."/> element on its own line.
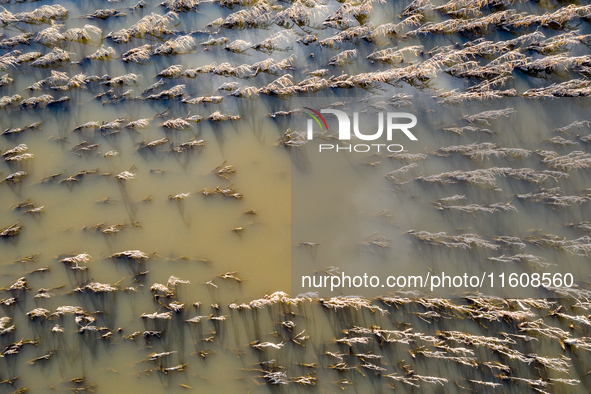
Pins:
<point x="159" y="195"/>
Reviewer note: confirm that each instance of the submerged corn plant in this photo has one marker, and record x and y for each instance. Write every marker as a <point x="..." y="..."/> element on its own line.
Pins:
<point x="152" y="25"/>
<point x="52" y="59"/>
<point x="103" y="53"/>
<point x="175" y="91"/>
<point x="258" y="15"/>
<point x="176" y="46"/>
<point x="43" y="14"/>
<point x="138" y="55"/>
<point x="342" y="58"/>
<point x="489" y="176"/>
<point x="105" y="14"/>
<point x="180" y="5"/>
<point x="394" y="55"/>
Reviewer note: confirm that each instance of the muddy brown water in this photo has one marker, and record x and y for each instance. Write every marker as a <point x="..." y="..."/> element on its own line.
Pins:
<point x="298" y="196"/>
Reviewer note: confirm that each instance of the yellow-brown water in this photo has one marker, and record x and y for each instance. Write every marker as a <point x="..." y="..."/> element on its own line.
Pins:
<point x="193" y="238"/>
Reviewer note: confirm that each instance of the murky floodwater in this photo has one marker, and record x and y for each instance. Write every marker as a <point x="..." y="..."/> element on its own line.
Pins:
<point x="338" y="200"/>
<point x="366" y="205"/>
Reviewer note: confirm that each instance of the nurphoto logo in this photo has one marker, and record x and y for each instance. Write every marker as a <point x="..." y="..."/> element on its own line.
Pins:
<point x="344" y="130"/>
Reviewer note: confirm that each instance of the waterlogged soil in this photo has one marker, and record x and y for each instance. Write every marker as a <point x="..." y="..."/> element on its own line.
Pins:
<point x="211" y="217"/>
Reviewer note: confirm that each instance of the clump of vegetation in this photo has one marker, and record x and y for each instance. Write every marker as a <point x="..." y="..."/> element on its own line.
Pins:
<point x="238" y="46"/>
<point x="488" y="176"/>
<point x="175" y="91"/>
<point x="9" y="60"/>
<point x="20" y="39"/>
<point x="22" y="148"/>
<point x="352" y="34"/>
<point x="153" y="144"/>
<point x="123" y="80"/>
<point x="180" y="5"/>
<point x="470" y="208"/>
<point x="52" y="59"/>
<point x="60" y="81"/>
<point x="572" y="88"/>
<point x="40" y="101"/>
<point x="104" y="14"/>
<point x="177" y="124"/>
<point x="223" y="171"/>
<point x="554" y="20"/>
<point x="393" y="55"/>
<point x="301" y="13"/>
<point x="176" y="46"/>
<point x="7" y="17"/>
<point x="258" y="15"/>
<point x="203" y="99"/>
<point x="171" y="72"/>
<point x="138" y="124"/>
<point x="138" y="55"/>
<point x="223" y="191"/>
<point x="96" y="288"/>
<point x="278" y="41"/>
<point x="404" y="156"/>
<point x="463" y="241"/>
<point x="579" y="124"/>
<point x="212" y="41"/>
<point x="478" y="25"/>
<point x="571" y="161"/>
<point x="125" y="176"/>
<point x="553" y="197"/>
<point x="19" y="158"/>
<point x="188" y="146"/>
<point x="217" y="116"/>
<point x="11" y="231"/>
<point x="153" y="25"/>
<point x="103" y="53"/>
<point x="135" y="255"/>
<point x="350" y="13"/>
<point x="484" y="117"/>
<point x="485" y="149"/>
<point x="43" y="14"/>
<point x="86" y="34"/>
<point x="393" y="175"/>
<point x="293" y="139"/>
<point x="343" y="58"/>
<point x="50" y="37"/>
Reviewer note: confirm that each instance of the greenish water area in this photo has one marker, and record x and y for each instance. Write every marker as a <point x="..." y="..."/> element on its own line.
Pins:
<point x="160" y="198"/>
<point x="361" y="209"/>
